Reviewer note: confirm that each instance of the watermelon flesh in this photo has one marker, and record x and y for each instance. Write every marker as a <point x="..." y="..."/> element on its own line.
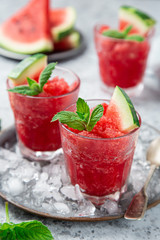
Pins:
<point x="68" y="42"/>
<point x="123" y="24"/>
<point x="28" y="31"/>
<point x="57" y="17"/>
<point x="62" y="21"/>
<point x="56" y="87"/>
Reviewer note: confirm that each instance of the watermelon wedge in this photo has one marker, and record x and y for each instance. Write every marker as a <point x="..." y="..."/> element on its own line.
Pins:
<point x="121" y="111"/>
<point x="68" y="42"/>
<point x="62" y="21"/>
<point x="28" y="31"/>
<point x="29" y="67"/>
<point x="140" y="21"/>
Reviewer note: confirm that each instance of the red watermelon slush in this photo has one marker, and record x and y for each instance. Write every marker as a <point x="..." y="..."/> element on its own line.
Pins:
<point x="37" y="136"/>
<point x="121" y="62"/>
<point x="100" y="160"/>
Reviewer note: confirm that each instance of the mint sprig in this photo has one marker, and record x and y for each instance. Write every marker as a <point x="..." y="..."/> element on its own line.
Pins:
<point x="34" y="230"/>
<point x="83" y="110"/>
<point x="33" y="87"/>
<point x="135" y="37"/>
<point x="123" y="35"/>
<point x="127" y="30"/>
<point x="82" y="119"/>
<point x="113" y="34"/>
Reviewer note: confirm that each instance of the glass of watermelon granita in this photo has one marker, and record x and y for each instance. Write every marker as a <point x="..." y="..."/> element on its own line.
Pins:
<point x="38" y="138"/>
<point x="99" y="161"/>
<point x="122" y="62"/>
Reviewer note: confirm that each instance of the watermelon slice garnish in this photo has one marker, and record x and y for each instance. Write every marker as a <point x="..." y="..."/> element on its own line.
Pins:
<point x="30" y="67"/>
<point x="121" y="111"/>
<point x="62" y="21"/>
<point x="68" y="42"/>
<point x="28" y="31"/>
<point x="141" y="22"/>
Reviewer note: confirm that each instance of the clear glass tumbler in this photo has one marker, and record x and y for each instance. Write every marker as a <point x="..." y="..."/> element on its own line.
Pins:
<point x="101" y="166"/>
<point x="122" y="62"/>
<point x="38" y="138"/>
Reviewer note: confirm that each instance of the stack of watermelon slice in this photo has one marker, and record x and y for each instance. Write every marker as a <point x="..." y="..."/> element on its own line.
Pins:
<point x="37" y="28"/>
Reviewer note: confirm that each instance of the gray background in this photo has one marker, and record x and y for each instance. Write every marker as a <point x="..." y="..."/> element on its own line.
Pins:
<point x="89" y="13"/>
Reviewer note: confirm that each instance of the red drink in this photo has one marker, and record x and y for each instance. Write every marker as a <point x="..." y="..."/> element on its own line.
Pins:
<point x="100" y="160"/>
<point x="121" y="62"/>
<point x="37" y="136"/>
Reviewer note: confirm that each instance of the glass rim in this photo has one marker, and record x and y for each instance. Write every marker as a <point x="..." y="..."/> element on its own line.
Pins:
<point x="101" y="139"/>
<point x="52" y="97"/>
<point x="98" y="25"/>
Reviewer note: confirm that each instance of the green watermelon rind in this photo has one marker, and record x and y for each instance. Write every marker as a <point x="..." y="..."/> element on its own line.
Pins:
<point x="41" y="45"/>
<point x="65" y="28"/>
<point x="27" y="68"/>
<point x="74" y="39"/>
<point x="126" y="110"/>
<point x="139" y="19"/>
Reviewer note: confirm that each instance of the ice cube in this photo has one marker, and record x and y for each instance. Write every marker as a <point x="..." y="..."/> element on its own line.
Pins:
<point x="52" y="170"/>
<point x="69" y="192"/>
<point x="78" y="193"/>
<point x="111" y="207"/>
<point x="7" y="154"/>
<point x="64" y="175"/>
<point x="4" y="165"/>
<point x="115" y="196"/>
<point x="42" y="190"/>
<point x="57" y="196"/>
<point x="61" y="208"/>
<point x="85" y="207"/>
<point x="55" y="181"/>
<point x="47" y="206"/>
<point x="137" y="177"/>
<point x="44" y="176"/>
<point x="15" y="186"/>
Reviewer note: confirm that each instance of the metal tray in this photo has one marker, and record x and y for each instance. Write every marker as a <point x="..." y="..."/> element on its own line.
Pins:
<point x="8" y="143"/>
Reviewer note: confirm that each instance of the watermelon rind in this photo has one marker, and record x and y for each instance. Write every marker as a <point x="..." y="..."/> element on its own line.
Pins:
<point x="125" y="109"/>
<point x="142" y="21"/>
<point x="28" y="67"/>
<point x="41" y="45"/>
<point x="74" y="39"/>
<point x="65" y="28"/>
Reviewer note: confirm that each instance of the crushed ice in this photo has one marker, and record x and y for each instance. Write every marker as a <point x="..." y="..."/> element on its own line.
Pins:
<point x="48" y="188"/>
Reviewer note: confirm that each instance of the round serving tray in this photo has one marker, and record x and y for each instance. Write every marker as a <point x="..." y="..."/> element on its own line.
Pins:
<point x="8" y="145"/>
<point x="52" y="56"/>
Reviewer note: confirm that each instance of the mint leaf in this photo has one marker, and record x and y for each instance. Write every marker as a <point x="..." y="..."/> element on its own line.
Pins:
<point x="135" y="37"/>
<point x="31" y="230"/>
<point x="31" y="81"/>
<point x="24" y="90"/>
<point x="124" y="34"/>
<point x="81" y="120"/>
<point x="113" y="34"/>
<point x="71" y="119"/>
<point x="127" y="30"/>
<point x="34" y="85"/>
<point x="26" y="230"/>
<point x="45" y="75"/>
<point x="83" y="110"/>
<point x="95" y="116"/>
